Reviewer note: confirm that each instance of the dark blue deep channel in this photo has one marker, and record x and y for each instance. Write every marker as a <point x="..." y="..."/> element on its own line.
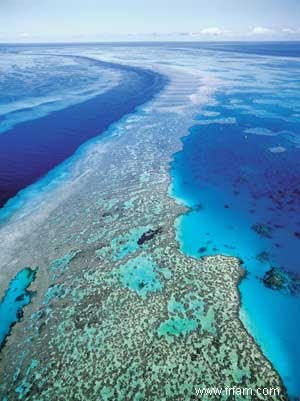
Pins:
<point x="30" y="149"/>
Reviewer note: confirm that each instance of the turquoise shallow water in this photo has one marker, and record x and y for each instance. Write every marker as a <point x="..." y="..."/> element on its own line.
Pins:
<point x="16" y="297"/>
<point x="239" y="173"/>
<point x="238" y="170"/>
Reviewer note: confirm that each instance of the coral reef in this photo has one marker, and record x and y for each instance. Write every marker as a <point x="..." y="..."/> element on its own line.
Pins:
<point x="278" y="279"/>
<point x="120" y="313"/>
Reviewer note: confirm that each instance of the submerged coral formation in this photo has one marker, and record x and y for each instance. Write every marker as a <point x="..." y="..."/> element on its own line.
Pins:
<point x="120" y="312"/>
<point x="278" y="279"/>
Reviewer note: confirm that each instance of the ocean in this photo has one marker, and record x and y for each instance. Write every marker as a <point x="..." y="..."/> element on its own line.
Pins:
<point x="46" y="112"/>
<point x="238" y="171"/>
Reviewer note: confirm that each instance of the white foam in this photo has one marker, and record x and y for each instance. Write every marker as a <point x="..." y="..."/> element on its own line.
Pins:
<point x="260" y="131"/>
<point x="277" y="149"/>
<point x="225" y="120"/>
<point x="210" y="113"/>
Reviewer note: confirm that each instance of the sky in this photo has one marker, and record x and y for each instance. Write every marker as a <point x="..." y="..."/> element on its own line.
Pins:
<point x="132" y="20"/>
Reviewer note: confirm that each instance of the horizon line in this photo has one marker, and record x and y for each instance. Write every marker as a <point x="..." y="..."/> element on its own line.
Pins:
<point x="148" y="41"/>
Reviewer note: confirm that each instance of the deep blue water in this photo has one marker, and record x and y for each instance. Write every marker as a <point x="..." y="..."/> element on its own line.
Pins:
<point x="281" y="49"/>
<point x="239" y="171"/>
<point x="31" y="148"/>
<point x="16" y="297"/>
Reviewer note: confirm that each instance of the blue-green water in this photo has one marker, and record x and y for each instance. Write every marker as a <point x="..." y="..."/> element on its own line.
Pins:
<point x="239" y="172"/>
<point x="38" y="130"/>
<point x="16" y="297"/>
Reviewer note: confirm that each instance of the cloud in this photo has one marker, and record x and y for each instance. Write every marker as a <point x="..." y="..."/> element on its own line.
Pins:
<point x="259" y="30"/>
<point x="25" y="35"/>
<point x="212" y="31"/>
<point x="185" y="33"/>
<point x="290" y="30"/>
